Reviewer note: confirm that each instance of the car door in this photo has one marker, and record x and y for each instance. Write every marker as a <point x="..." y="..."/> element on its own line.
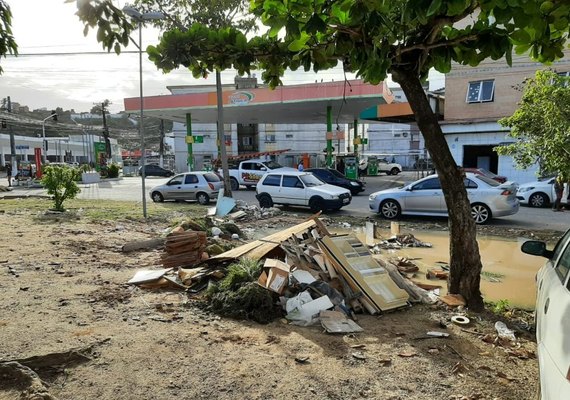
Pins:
<point x="189" y="188"/>
<point x="425" y="197"/>
<point x="173" y="188"/>
<point x="292" y="190"/>
<point x="553" y="322"/>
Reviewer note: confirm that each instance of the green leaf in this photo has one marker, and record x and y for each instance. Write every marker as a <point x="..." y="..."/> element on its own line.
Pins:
<point x="520" y="37"/>
<point x="434" y="7"/>
<point x="315" y="24"/>
<point x="297" y="44"/>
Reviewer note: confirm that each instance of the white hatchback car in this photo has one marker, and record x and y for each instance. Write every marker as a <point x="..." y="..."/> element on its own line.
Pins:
<point x="488" y="199"/>
<point x="298" y="188"/>
<point x="537" y="194"/>
<point x="553" y="317"/>
<point x="198" y="185"/>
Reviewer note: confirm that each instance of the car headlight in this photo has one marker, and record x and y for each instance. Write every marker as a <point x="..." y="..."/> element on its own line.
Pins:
<point x="372" y="197"/>
<point x="352" y="183"/>
<point x="526" y="189"/>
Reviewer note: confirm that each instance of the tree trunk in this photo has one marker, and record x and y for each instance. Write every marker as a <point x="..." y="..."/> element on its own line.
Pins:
<point x="465" y="261"/>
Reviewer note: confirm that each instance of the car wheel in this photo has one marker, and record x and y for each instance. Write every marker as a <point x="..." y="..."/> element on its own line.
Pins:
<point x="234" y="185"/>
<point x="316" y="204"/>
<point x="203" y="198"/>
<point x="265" y="201"/>
<point x="537" y="200"/>
<point x="390" y="209"/>
<point x="480" y="213"/>
<point x="394" y="171"/>
<point x="388" y="172"/>
<point x="157" y="197"/>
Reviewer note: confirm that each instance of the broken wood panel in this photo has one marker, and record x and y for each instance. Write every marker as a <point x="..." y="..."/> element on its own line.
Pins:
<point x="372" y="279"/>
<point x="260" y="248"/>
<point x="149" y="244"/>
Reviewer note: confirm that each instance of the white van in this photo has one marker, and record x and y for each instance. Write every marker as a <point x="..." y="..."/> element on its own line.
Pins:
<point x="299" y="188"/>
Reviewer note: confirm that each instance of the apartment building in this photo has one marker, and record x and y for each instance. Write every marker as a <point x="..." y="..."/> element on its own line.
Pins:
<point x="476" y="99"/>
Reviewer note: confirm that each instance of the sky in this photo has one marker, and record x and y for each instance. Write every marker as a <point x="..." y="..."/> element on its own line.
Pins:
<point x="49" y="72"/>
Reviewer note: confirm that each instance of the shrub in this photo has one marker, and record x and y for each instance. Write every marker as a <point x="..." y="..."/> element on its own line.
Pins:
<point x="113" y="171"/>
<point x="60" y="183"/>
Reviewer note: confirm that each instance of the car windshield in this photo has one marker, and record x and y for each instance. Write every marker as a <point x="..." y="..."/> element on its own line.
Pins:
<point x="487" y="180"/>
<point x="487" y="173"/>
<point x="272" y="164"/>
<point x="311" y="180"/>
<point x="336" y="173"/>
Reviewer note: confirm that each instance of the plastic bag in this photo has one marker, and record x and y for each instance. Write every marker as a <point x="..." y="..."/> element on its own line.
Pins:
<point x="504" y="332"/>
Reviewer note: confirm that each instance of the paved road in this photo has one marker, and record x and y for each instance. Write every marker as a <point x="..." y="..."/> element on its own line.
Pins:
<point x="130" y="189"/>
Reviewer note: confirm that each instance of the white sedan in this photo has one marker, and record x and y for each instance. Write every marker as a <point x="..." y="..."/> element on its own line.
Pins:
<point x="488" y="199"/>
<point x="553" y="317"/>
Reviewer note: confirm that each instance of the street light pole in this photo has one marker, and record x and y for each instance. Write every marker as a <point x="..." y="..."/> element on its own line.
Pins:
<point x="139" y="18"/>
<point x="44" y="145"/>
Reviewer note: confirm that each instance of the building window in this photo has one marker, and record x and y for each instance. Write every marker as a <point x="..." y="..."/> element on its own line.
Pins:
<point x="269" y="138"/>
<point x="481" y="91"/>
<point x="289" y="136"/>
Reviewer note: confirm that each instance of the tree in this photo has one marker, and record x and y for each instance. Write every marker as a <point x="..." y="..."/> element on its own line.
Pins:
<point x="541" y="125"/>
<point x="403" y="38"/>
<point x="113" y="32"/>
<point x="60" y="182"/>
<point x="7" y="42"/>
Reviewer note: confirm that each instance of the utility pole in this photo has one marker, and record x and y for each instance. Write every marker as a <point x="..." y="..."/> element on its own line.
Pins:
<point x="106" y="131"/>
<point x="161" y="145"/>
<point x="13" y="161"/>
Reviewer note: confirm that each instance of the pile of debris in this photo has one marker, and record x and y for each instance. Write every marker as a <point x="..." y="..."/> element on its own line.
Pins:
<point x="304" y="273"/>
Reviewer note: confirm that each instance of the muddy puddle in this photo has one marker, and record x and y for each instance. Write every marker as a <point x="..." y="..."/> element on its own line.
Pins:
<point x="508" y="274"/>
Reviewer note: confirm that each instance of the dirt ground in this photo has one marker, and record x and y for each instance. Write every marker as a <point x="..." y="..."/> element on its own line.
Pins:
<point x="62" y="287"/>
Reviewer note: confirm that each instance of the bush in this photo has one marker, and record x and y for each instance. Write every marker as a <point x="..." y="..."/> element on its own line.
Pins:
<point x="60" y="183"/>
<point x="113" y="171"/>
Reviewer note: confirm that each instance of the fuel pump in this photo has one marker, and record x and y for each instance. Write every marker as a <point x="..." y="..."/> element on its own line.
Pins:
<point x="350" y="167"/>
<point x="372" y="166"/>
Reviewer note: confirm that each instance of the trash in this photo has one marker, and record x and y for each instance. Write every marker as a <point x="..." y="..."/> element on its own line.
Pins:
<point x="460" y="320"/>
<point x="438" y="334"/>
<point x="504" y="332"/>
<point x="302" y="360"/>
<point x="235" y="236"/>
<point x="305" y="314"/>
<point x="224" y="205"/>
<point x="302" y="276"/>
<point x="359" y="356"/>
<point x="145" y="276"/>
<point x="216" y="231"/>
<point x="437" y="274"/>
<point x="453" y="300"/>
<point x="336" y="322"/>
<point x="363" y="273"/>
<point x="184" y="249"/>
<point x="275" y="275"/>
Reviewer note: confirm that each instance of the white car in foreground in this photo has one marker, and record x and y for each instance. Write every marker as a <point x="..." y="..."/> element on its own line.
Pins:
<point x="553" y="317"/>
<point x="488" y="199"/>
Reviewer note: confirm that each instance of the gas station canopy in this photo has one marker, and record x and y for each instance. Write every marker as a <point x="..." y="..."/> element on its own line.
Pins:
<point x="295" y="104"/>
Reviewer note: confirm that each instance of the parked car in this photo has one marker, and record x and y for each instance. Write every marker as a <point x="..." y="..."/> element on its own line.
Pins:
<point x="298" y="188"/>
<point x="488" y="199"/>
<point x="155" y="170"/>
<point x="488" y="174"/>
<point x="199" y="185"/>
<point x="390" y="168"/>
<point x="334" y="177"/>
<point x="537" y="194"/>
<point x="552" y="321"/>
<point x="249" y="172"/>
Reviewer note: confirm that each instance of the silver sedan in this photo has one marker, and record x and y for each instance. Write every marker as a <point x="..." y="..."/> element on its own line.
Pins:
<point x="488" y="199"/>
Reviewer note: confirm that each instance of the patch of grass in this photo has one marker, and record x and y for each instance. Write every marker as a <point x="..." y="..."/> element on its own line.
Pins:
<point x="499" y="307"/>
